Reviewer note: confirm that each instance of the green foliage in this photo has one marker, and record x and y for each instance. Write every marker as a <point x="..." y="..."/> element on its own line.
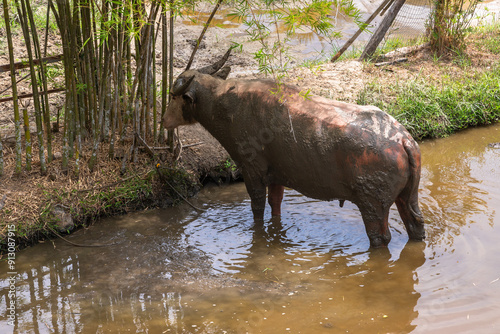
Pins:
<point x="14" y="21"/>
<point x="273" y="23"/>
<point x="228" y="164"/>
<point x="450" y="24"/>
<point x="429" y="110"/>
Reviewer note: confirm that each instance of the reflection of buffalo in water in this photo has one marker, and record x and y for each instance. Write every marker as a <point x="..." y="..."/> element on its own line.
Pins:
<point x="358" y="293"/>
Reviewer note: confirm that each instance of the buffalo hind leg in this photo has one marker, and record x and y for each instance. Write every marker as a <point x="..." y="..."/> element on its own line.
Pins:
<point x="376" y="219"/>
<point x="411" y="216"/>
<point x="275" y="197"/>
<point x="407" y="201"/>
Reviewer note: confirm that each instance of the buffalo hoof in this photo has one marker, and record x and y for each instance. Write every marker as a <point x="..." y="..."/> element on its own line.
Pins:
<point x="417" y="236"/>
<point x="379" y="241"/>
<point x="416" y="233"/>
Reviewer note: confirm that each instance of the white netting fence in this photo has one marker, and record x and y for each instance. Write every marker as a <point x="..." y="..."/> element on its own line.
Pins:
<point x="411" y="22"/>
<point x="412" y="19"/>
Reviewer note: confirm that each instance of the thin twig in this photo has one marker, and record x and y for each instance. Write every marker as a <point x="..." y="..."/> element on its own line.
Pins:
<point x="178" y="193"/>
<point x="18" y="81"/>
<point x="76" y="244"/>
<point x="179" y="145"/>
<point x="2" y="202"/>
<point x="188" y="66"/>
<point x="141" y="141"/>
<point x="184" y="146"/>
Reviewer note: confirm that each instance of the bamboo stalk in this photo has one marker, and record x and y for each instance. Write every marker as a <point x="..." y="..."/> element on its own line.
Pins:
<point x="120" y="90"/>
<point x="114" y="109"/>
<point x="170" y="135"/>
<point x="164" y="70"/>
<point x="153" y="88"/>
<point x="46" y="41"/>
<point x="88" y="67"/>
<point x="43" y="79"/>
<point x="1" y="156"/>
<point x="38" y="115"/>
<point x="27" y="139"/>
<point x="65" y="24"/>
<point x="14" y="90"/>
<point x="102" y="96"/>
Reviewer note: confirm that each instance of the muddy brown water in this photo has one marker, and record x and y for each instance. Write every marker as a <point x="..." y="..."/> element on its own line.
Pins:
<point x="182" y="271"/>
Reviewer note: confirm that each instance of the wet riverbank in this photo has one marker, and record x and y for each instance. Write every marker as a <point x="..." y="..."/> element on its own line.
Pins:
<point x="179" y="270"/>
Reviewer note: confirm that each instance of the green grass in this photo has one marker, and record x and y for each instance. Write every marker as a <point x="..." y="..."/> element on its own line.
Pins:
<point x="489" y="40"/>
<point x="439" y="109"/>
<point x="39" y="10"/>
<point x="398" y="42"/>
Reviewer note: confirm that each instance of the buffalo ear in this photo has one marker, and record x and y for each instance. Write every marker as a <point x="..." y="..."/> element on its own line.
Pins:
<point x="223" y="73"/>
<point x="188" y="97"/>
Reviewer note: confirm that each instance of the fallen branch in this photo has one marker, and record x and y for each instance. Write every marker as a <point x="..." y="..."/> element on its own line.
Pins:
<point x="24" y="96"/>
<point x="385" y="63"/>
<point x="168" y="148"/>
<point x="24" y="64"/>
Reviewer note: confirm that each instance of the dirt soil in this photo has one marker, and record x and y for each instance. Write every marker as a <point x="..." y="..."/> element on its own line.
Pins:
<point x="22" y="197"/>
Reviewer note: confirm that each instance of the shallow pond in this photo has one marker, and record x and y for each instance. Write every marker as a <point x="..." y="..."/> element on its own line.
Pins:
<point x="181" y="271"/>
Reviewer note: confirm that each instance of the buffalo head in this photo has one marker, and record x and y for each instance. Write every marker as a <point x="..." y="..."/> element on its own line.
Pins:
<point x="192" y="88"/>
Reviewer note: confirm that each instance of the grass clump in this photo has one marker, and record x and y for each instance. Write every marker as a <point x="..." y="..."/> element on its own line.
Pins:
<point x="437" y="109"/>
<point x="489" y="37"/>
<point x="84" y="206"/>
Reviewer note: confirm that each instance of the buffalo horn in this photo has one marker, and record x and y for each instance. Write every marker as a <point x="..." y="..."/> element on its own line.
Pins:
<point x="179" y="90"/>
<point x="212" y="69"/>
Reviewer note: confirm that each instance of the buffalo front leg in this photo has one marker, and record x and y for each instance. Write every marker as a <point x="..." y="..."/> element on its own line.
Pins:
<point x="275" y="197"/>
<point x="257" y="191"/>
<point x="376" y="219"/>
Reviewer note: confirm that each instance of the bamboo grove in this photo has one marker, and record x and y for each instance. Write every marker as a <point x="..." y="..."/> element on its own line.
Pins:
<point x="109" y="78"/>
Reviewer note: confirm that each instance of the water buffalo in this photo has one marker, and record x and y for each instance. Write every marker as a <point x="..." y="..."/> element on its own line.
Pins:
<point x="322" y="148"/>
